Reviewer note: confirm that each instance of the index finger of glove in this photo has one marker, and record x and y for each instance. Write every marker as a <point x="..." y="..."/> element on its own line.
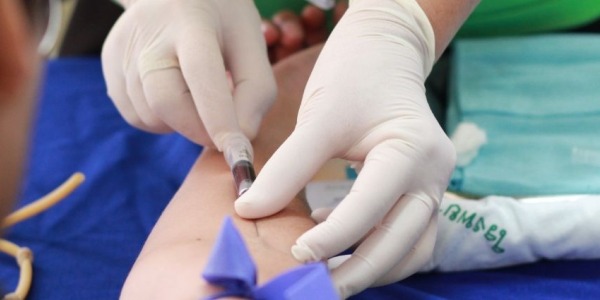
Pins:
<point x="285" y="174"/>
<point x="254" y="84"/>
<point x="114" y="76"/>
<point x="169" y="97"/>
<point x="203" y="69"/>
<point x="385" y="177"/>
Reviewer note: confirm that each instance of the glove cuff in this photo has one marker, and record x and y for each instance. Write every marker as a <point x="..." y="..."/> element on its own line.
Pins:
<point x="425" y="29"/>
<point x="428" y="37"/>
<point x="420" y="26"/>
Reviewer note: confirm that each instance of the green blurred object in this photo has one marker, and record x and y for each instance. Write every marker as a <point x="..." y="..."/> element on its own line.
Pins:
<point x="268" y="8"/>
<point x="512" y="17"/>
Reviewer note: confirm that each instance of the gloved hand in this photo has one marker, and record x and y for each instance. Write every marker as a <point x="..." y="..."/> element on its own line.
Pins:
<point x="365" y="102"/>
<point x="165" y="68"/>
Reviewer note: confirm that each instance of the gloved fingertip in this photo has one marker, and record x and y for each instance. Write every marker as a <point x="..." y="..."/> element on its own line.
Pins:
<point x="253" y="205"/>
<point x="344" y="288"/>
<point x="319" y="215"/>
<point x="250" y="126"/>
<point x="344" y="292"/>
<point x="303" y="254"/>
<point x="336" y="261"/>
<point x="246" y="209"/>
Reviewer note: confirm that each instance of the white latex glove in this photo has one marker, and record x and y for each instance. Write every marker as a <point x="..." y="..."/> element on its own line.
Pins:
<point x="165" y="67"/>
<point x="365" y="101"/>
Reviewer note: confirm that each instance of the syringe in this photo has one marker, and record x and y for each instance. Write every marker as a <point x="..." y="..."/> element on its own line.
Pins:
<point x="239" y="156"/>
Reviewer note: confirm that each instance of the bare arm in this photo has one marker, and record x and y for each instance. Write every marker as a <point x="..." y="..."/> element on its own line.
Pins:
<point x="173" y="257"/>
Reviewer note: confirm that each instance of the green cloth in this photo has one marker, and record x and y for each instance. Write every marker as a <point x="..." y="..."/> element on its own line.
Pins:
<point x="536" y="97"/>
<point x="496" y="17"/>
<point x="510" y="17"/>
<point x="268" y="8"/>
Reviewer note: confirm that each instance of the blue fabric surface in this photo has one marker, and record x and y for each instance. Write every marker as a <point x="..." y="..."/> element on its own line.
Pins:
<point x="85" y="245"/>
<point x="538" y="100"/>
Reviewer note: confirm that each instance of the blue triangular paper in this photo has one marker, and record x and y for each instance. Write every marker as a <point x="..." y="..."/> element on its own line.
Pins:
<point x="309" y="281"/>
<point x="230" y="265"/>
<point x="231" y="268"/>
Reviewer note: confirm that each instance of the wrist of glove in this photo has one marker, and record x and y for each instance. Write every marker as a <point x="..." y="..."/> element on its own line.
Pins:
<point x="407" y="19"/>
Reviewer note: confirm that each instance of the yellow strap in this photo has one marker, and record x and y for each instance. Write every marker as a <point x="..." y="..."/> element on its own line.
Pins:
<point x="23" y="255"/>
<point x="45" y="202"/>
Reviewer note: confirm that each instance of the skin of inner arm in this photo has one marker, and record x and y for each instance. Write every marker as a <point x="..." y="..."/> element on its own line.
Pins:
<point x="174" y="255"/>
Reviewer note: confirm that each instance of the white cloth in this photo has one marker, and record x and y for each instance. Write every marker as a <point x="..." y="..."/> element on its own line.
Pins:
<point x="499" y="231"/>
<point x="467" y="139"/>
